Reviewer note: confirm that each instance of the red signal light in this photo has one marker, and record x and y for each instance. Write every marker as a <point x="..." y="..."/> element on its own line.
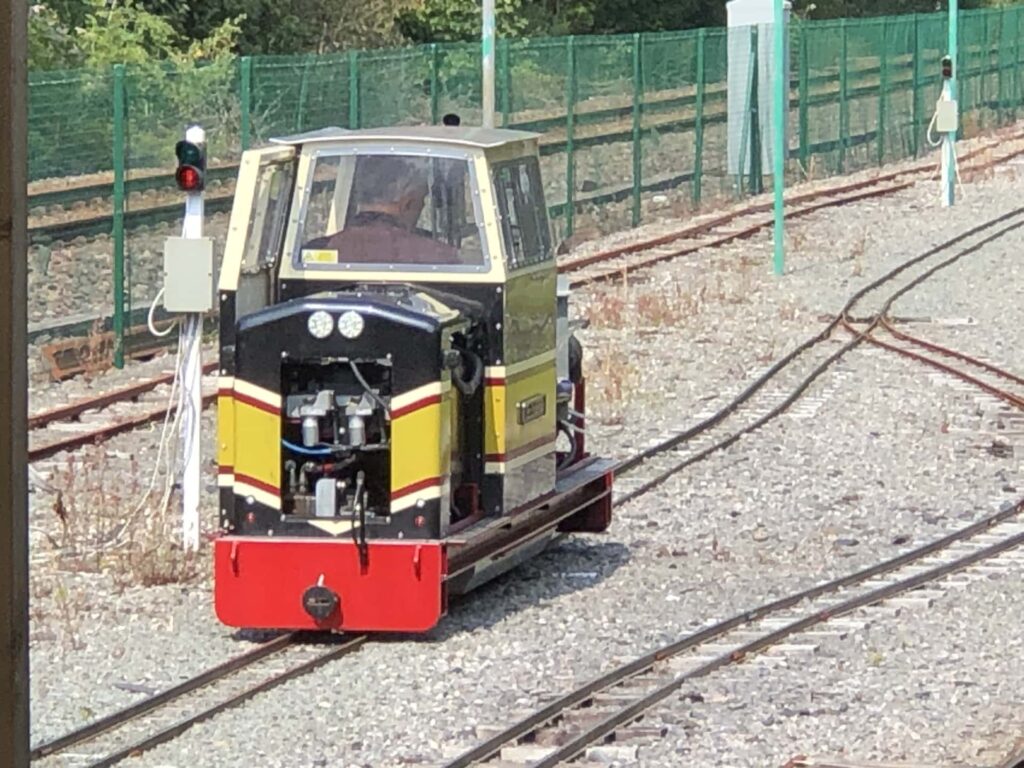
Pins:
<point x="189" y="179"/>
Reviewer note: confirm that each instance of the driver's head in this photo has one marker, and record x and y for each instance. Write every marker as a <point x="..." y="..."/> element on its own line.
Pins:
<point x="393" y="185"/>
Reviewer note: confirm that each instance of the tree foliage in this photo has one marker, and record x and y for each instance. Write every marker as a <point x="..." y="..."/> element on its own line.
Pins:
<point x="70" y="33"/>
<point x="120" y="34"/>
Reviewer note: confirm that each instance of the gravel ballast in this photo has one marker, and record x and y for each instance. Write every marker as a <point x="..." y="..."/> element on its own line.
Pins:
<point x="881" y="456"/>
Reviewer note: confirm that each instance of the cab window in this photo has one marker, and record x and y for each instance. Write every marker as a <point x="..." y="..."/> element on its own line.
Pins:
<point x="269" y="215"/>
<point x="524" y="219"/>
<point x="389" y="209"/>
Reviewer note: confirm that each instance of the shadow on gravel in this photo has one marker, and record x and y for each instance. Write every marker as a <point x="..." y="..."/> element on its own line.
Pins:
<point x="573" y="565"/>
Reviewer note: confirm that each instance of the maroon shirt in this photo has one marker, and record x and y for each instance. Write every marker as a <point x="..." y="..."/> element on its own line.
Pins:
<point x="379" y="241"/>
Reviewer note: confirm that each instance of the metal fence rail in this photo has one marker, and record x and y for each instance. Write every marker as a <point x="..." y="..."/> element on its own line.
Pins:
<point x="634" y="125"/>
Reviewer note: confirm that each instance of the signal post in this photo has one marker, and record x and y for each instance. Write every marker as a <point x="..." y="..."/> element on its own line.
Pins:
<point x="188" y="291"/>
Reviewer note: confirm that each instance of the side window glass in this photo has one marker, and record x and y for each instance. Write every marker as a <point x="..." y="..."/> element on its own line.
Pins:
<point x="269" y="216"/>
<point x="523" y="215"/>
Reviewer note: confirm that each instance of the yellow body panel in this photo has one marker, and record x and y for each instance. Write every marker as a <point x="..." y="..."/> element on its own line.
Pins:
<point x="421" y="445"/>
<point x="225" y="430"/>
<point x="504" y="434"/>
<point x="257" y="444"/>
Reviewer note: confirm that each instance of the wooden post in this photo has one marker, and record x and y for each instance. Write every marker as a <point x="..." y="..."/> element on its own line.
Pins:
<point x="14" y="722"/>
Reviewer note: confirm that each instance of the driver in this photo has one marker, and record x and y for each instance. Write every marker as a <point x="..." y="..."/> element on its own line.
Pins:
<point x="390" y="195"/>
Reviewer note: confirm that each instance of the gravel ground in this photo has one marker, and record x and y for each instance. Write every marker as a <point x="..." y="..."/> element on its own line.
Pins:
<point x="881" y="456"/>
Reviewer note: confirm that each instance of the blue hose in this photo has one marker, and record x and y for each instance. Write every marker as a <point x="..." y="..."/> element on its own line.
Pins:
<point x="307" y="451"/>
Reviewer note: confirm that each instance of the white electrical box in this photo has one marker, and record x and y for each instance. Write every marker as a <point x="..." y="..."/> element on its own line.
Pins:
<point x="946" y="116"/>
<point x="188" y="274"/>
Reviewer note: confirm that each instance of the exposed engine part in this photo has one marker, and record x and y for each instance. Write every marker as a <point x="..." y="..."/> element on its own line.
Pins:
<point x="338" y="422"/>
<point x="368" y="389"/>
<point x="468" y="385"/>
<point x="357" y="412"/>
<point x="326" y="497"/>
<point x="569" y="430"/>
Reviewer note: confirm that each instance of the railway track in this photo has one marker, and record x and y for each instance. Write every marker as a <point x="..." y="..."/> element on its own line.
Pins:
<point x="93" y="420"/>
<point x="747" y="220"/>
<point x="605" y="708"/>
<point x="164" y="716"/>
<point x="978" y="373"/>
<point x="566" y="728"/>
<point x="787" y="380"/>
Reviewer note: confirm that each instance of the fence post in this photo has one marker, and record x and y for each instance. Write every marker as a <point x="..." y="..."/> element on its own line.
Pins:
<point x="883" y="90"/>
<point x="985" y="54"/>
<point x="915" y="108"/>
<point x="1017" y="59"/>
<point x="504" y="61"/>
<point x="300" y="111"/>
<point x="353" y="89"/>
<point x="570" y="130"/>
<point x="844" y="106"/>
<point x="435" y="94"/>
<point x="245" y="74"/>
<point x="805" y="148"/>
<point x="118" y="213"/>
<point x="698" y="152"/>
<point x="638" y="94"/>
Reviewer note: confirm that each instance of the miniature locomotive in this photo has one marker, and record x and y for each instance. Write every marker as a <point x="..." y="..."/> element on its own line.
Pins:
<point x="401" y="401"/>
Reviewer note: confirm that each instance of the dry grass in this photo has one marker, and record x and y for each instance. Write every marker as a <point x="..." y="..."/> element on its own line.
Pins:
<point x="614" y="374"/>
<point x="100" y="526"/>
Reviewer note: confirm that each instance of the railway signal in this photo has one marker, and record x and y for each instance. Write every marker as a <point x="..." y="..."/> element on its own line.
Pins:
<point x="188" y="291"/>
<point x="191" y="173"/>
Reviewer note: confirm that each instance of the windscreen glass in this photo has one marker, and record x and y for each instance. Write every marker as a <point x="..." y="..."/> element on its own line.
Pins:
<point x="389" y="210"/>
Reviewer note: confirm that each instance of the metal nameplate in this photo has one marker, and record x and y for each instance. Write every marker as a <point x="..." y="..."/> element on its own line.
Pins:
<point x="532" y="408"/>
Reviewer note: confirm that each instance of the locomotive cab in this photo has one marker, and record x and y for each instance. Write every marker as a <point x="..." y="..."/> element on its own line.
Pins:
<point x="400" y="410"/>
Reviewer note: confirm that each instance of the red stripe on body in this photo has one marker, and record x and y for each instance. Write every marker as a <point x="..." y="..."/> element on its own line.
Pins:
<point x="420" y="485"/>
<point x="258" y="404"/>
<point x="259" y="484"/>
<point x="405" y="410"/>
<point x="519" y="451"/>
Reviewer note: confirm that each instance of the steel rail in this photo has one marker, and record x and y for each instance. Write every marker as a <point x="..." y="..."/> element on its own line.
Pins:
<point x="103" y="433"/>
<point x="932" y="346"/>
<point x="700" y="228"/>
<point x="75" y="409"/>
<point x="213" y="675"/>
<point x="630" y="713"/>
<point x="754" y="387"/>
<point x="98" y="727"/>
<point x="491" y="746"/>
<point x="1008" y="397"/>
<point x="178" y="728"/>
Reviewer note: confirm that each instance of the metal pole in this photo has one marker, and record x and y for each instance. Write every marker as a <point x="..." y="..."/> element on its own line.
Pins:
<point x="487" y="49"/>
<point x="779" y="136"/>
<point x="638" y="97"/>
<point x="14" y="715"/>
<point x="949" y="94"/>
<point x="192" y="378"/>
<point x="245" y="73"/>
<point x="118" y="214"/>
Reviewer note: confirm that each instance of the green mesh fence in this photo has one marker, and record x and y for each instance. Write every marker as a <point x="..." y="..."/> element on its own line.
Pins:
<point x="633" y="126"/>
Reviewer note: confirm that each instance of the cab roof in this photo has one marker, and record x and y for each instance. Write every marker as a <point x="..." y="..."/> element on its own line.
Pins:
<point x="466" y="136"/>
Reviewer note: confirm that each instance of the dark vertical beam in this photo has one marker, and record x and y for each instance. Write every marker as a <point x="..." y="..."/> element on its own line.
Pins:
<point x="13" y="390"/>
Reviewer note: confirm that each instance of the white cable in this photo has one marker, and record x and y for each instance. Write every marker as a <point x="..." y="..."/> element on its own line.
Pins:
<point x="171" y="421"/>
<point x="931" y="125"/>
<point x="149" y="318"/>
